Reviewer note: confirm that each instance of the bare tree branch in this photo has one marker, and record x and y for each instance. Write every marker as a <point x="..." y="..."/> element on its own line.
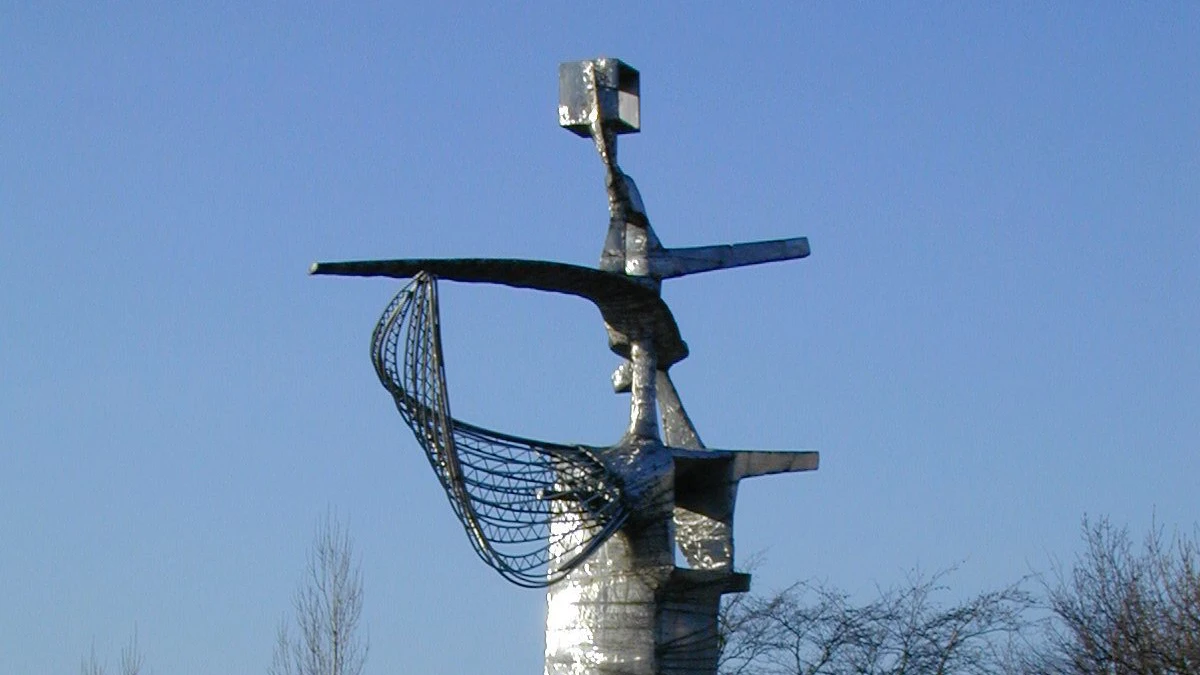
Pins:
<point x="1123" y="611"/>
<point x="812" y="629"/>
<point x="132" y="660"/>
<point x="328" y="608"/>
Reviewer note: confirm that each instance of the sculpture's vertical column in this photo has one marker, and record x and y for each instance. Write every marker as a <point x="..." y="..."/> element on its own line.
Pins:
<point x="628" y="609"/>
<point x="604" y="617"/>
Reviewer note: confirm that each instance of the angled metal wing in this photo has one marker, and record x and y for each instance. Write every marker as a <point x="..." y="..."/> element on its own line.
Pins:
<point x="532" y="510"/>
<point x="629" y="307"/>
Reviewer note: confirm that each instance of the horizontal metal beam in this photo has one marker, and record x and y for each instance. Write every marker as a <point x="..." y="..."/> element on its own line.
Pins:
<point x="630" y="307"/>
<point x="677" y="262"/>
<point x="743" y="463"/>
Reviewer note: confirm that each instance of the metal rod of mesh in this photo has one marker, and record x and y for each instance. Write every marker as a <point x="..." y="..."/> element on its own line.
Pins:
<point x="505" y="490"/>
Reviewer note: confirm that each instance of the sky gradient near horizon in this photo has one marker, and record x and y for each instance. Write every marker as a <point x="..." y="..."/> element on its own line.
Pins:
<point x="996" y="333"/>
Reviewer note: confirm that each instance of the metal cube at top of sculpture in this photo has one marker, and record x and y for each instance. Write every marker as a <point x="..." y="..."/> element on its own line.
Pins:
<point x="616" y="102"/>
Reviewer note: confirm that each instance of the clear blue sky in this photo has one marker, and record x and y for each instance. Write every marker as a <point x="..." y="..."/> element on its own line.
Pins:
<point x="997" y="331"/>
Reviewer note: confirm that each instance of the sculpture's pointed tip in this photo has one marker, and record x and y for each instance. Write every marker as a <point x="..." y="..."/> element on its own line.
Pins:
<point x="314" y="268"/>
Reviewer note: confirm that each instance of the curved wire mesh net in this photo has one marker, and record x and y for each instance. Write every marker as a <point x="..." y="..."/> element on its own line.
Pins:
<point x="532" y="510"/>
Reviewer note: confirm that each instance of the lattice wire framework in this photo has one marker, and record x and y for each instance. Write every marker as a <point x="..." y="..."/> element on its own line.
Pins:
<point x="521" y="501"/>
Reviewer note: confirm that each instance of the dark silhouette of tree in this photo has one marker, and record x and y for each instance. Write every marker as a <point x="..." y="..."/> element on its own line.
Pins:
<point x="132" y="661"/>
<point x="1124" y="610"/>
<point x="328" y="607"/>
<point x="812" y="629"/>
<point x="1121" y="609"/>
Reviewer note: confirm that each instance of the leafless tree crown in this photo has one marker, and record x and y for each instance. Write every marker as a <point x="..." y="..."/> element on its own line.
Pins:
<point x="1124" y="611"/>
<point x="328" y="609"/>
<point x="811" y="629"/>
<point x="132" y="661"/>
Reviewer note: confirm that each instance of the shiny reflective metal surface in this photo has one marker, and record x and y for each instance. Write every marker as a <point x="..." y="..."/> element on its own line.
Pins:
<point x="600" y="526"/>
<point x="603" y="86"/>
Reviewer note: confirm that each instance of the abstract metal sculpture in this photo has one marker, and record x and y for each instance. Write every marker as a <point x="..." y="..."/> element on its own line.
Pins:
<point x="598" y="525"/>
